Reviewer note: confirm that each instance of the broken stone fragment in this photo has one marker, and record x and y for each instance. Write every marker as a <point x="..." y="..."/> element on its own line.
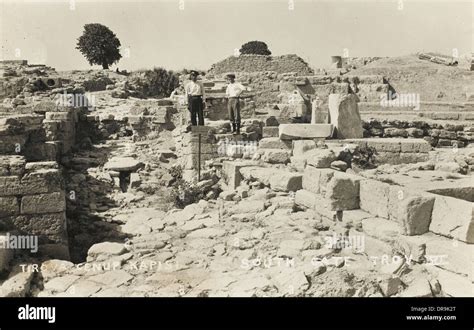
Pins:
<point x="123" y="164"/>
<point x="17" y="285"/>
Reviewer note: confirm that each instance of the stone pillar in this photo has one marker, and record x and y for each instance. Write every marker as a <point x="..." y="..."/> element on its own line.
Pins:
<point x="318" y="115"/>
<point x="344" y="115"/>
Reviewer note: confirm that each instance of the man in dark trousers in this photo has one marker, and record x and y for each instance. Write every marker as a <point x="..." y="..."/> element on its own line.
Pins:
<point x="233" y="91"/>
<point x="196" y="99"/>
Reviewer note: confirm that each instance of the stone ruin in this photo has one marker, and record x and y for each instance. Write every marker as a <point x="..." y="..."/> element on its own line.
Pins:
<point x="318" y="157"/>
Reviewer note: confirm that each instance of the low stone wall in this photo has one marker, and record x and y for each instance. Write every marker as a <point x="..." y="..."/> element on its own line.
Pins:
<point x="438" y="135"/>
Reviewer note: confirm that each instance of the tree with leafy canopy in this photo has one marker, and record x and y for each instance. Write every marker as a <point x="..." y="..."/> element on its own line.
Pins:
<point x="99" y="45"/>
<point x="255" y="47"/>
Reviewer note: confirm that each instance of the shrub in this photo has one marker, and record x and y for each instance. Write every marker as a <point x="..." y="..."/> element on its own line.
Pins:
<point x="364" y="157"/>
<point x="158" y="82"/>
<point x="255" y="47"/>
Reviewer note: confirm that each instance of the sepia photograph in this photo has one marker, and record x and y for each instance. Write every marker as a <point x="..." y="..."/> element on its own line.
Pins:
<point x="303" y="149"/>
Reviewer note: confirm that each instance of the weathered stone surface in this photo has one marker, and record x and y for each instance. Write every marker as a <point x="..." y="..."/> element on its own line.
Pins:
<point x="106" y="250"/>
<point x="454" y="218"/>
<point x="344" y="115"/>
<point x="6" y="255"/>
<point x="286" y="181"/>
<point x="343" y="192"/>
<point x="50" y="227"/>
<point x="455" y="285"/>
<point x="374" y="197"/>
<point x="420" y="287"/>
<point x="43" y="203"/>
<point x="339" y="165"/>
<point x="17" y="285"/>
<point x="60" y="284"/>
<point x="270" y="131"/>
<point x="274" y="143"/>
<point x="301" y="146"/>
<point x="42" y="181"/>
<point x="310" y="200"/>
<point x="12" y="144"/>
<point x="12" y="165"/>
<point x="128" y="164"/>
<point x="305" y="131"/>
<point x="8" y="206"/>
<point x="412" y="212"/>
<point x="9" y="185"/>
<point x="320" y="158"/>
<point x="276" y="156"/>
<point x="277" y="179"/>
<point x="248" y="206"/>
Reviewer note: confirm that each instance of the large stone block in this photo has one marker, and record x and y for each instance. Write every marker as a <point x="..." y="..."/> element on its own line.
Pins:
<point x="12" y="165"/>
<point x="119" y="164"/>
<point x="374" y="197"/>
<point x="280" y="180"/>
<point x="415" y="145"/>
<point x="12" y="144"/>
<point x="43" y="203"/>
<point x="42" y="181"/>
<point x="453" y="217"/>
<point x="343" y="191"/>
<point x="274" y="143"/>
<point x="231" y="172"/>
<point x="276" y="156"/>
<point x="316" y="180"/>
<point x="286" y="181"/>
<point x="320" y="158"/>
<point x="301" y="146"/>
<point x="10" y="185"/>
<point x="305" y="131"/>
<point x="8" y="206"/>
<point x="50" y="228"/>
<point x="270" y="131"/>
<point x="411" y="210"/>
<point x="344" y="115"/>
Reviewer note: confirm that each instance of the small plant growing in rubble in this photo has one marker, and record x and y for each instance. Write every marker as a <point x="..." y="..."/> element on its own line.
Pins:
<point x="99" y="45"/>
<point x="364" y="157"/>
<point x="255" y="47"/>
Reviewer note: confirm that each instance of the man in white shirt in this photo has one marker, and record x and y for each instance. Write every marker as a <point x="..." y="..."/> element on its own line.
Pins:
<point x="196" y="99"/>
<point x="233" y="92"/>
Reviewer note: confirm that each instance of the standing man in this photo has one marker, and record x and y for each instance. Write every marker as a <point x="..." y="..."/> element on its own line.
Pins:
<point x="233" y="92"/>
<point x="196" y="99"/>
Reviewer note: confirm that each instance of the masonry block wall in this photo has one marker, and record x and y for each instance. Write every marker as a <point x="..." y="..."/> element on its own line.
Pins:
<point x="32" y="202"/>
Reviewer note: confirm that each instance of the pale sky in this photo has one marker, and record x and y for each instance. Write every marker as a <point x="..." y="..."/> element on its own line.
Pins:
<point x="159" y="33"/>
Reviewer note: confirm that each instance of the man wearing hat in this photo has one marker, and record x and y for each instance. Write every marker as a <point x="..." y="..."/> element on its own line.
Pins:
<point x="233" y="92"/>
<point x="196" y="99"/>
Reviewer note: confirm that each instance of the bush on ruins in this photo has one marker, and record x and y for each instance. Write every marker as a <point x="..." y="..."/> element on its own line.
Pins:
<point x="99" y="45"/>
<point x="255" y="48"/>
<point x="158" y="82"/>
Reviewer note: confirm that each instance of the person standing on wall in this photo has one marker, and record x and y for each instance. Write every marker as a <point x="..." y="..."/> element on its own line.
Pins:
<point x="233" y="92"/>
<point x="196" y="99"/>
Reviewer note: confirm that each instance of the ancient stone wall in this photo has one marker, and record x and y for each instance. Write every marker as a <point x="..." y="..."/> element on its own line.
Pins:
<point x="32" y="201"/>
<point x="438" y="135"/>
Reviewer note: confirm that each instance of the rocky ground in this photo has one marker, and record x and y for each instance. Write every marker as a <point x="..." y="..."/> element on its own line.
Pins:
<point x="249" y="242"/>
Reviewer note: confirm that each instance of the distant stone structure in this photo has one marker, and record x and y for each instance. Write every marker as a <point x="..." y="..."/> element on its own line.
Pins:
<point x="256" y="63"/>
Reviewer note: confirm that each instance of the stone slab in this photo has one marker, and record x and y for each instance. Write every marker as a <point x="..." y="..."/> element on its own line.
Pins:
<point x="304" y="131"/>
